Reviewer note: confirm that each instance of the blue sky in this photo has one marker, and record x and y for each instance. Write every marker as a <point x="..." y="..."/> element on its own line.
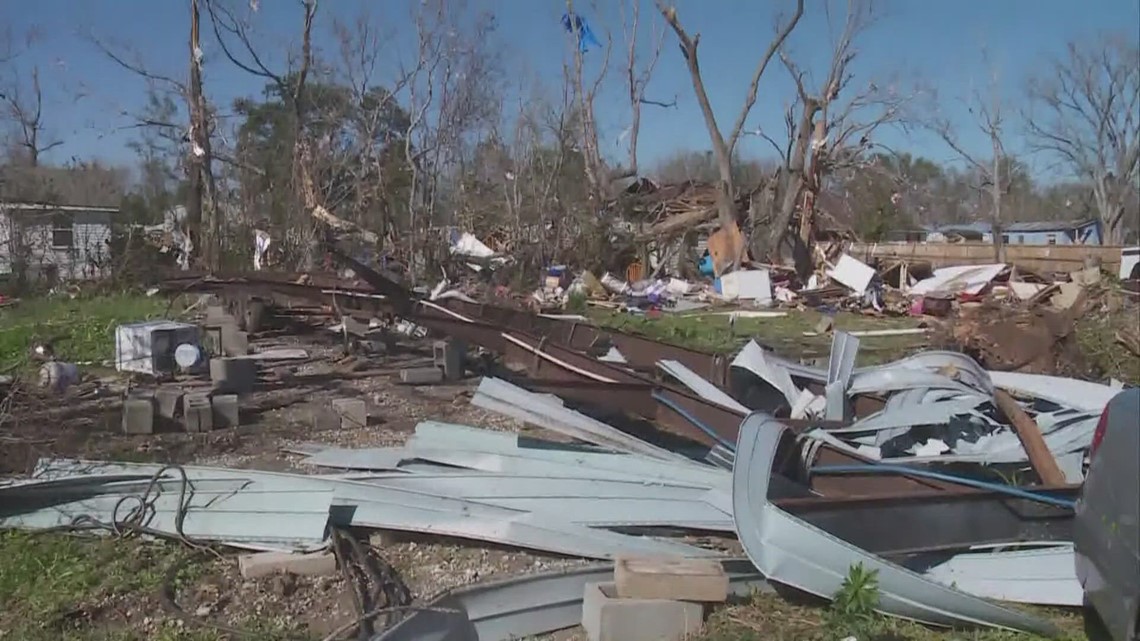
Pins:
<point x="937" y="43"/>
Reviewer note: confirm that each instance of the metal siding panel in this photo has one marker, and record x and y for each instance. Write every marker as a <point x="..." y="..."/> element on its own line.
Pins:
<point x="791" y="551"/>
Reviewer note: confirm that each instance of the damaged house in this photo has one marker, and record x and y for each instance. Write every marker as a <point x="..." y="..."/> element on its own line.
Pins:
<point x="48" y="242"/>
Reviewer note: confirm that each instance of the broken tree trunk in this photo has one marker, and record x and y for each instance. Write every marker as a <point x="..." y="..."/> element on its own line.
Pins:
<point x="680" y="223"/>
<point x="324" y="216"/>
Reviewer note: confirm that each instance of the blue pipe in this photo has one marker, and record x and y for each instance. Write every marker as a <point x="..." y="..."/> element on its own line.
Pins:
<point x="698" y="423"/>
<point x="950" y="478"/>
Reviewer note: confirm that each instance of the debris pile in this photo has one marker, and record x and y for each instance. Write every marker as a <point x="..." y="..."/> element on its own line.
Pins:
<point x="981" y="305"/>
<point x="810" y="470"/>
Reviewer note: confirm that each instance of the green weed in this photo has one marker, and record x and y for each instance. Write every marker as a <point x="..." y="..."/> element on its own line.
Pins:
<point x="80" y="329"/>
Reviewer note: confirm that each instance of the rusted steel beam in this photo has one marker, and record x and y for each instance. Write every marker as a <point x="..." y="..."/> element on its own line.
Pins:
<point x="639" y="351"/>
<point x="698" y="419"/>
<point x="574" y="374"/>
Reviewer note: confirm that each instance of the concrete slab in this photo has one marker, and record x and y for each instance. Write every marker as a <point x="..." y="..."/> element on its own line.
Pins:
<point x="225" y="410"/>
<point x="253" y="566"/>
<point x="448" y="356"/>
<point x="198" y="412"/>
<point x="138" y="416"/>
<point x="169" y="400"/>
<point x="701" y="580"/>
<point x="605" y="617"/>
<point x="352" y="412"/>
<point x="421" y="376"/>
<point x="234" y="341"/>
<point x="233" y="375"/>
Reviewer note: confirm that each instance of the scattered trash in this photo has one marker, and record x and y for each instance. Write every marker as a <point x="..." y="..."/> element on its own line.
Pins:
<point x="909" y="468"/>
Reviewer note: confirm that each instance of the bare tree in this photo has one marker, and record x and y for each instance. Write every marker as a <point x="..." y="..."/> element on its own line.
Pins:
<point x="450" y="93"/>
<point x="8" y="50"/>
<point x="202" y="220"/>
<point x="637" y="75"/>
<point x="723" y="146"/>
<point x="992" y="175"/>
<point x="203" y="190"/>
<point x="375" y="115"/>
<point x="235" y="39"/>
<point x="23" y="107"/>
<point x="1085" y="113"/>
<point x="832" y="131"/>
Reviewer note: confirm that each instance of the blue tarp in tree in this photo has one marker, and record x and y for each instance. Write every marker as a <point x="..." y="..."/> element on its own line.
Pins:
<point x="577" y="25"/>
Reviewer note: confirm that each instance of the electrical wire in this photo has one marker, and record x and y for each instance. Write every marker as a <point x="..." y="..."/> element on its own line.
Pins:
<point x="379" y="594"/>
<point x="949" y="478"/>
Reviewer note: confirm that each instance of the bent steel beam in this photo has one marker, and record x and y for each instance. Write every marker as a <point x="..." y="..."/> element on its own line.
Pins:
<point x="789" y="550"/>
<point x="527" y="606"/>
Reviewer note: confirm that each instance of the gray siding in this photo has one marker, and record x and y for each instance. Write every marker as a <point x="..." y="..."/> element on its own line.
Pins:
<point x="39" y="237"/>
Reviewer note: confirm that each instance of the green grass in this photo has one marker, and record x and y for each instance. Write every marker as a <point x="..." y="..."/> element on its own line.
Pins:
<point x="767" y="617"/>
<point x="47" y="580"/>
<point x="81" y="329"/>
<point x="713" y="332"/>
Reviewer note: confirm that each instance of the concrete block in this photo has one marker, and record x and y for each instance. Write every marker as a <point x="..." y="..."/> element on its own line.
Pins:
<point x="169" y="401"/>
<point x="324" y="418"/>
<point x="448" y="356"/>
<point x="233" y="375"/>
<point x="253" y="566"/>
<point x="226" y="410"/>
<point x="198" y="412"/>
<point x="234" y="341"/>
<point x="352" y="412"/>
<point x="138" y="416"/>
<point x="701" y="580"/>
<point x="421" y="376"/>
<point x="606" y="617"/>
<point x="216" y="314"/>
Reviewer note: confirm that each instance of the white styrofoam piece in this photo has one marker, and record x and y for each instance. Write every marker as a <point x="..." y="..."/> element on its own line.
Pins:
<point x="1129" y="256"/>
<point x="749" y="284"/>
<point x="853" y="273"/>
<point x="963" y="279"/>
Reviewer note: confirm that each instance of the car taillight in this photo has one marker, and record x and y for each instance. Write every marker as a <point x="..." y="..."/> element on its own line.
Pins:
<point x="1098" y="435"/>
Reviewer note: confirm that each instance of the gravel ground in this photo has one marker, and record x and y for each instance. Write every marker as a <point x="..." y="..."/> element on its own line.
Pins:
<point x="289" y="411"/>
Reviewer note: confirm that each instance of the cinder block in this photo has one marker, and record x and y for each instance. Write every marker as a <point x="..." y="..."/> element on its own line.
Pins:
<point x="448" y="356"/>
<point x="233" y="375"/>
<point x="198" y="412"/>
<point x="253" y="566"/>
<point x="138" y="415"/>
<point x="421" y="376"/>
<point x="352" y="412"/>
<point x="701" y="580"/>
<point x="324" y="418"/>
<point x="169" y="401"/>
<point x="226" y="410"/>
<point x="606" y="617"/>
<point x="234" y="341"/>
<point x="216" y="314"/>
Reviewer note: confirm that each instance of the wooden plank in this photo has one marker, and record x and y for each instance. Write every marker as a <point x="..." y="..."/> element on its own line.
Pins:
<point x="1044" y="258"/>
<point x="1039" y="455"/>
